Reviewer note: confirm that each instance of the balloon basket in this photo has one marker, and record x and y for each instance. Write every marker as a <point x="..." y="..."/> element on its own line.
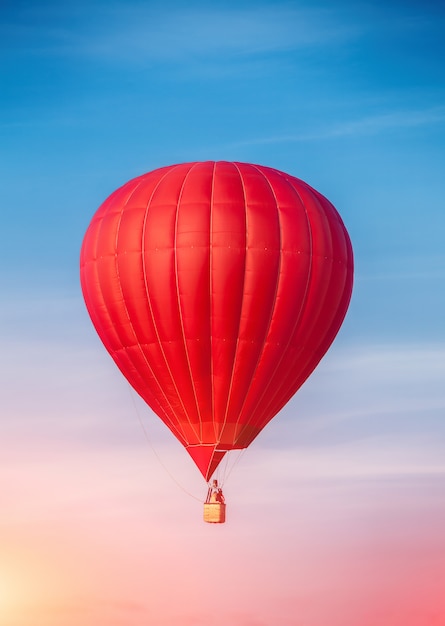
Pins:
<point x="214" y="512"/>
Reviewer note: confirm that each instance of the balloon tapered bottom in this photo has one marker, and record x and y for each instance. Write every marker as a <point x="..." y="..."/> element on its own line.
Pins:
<point x="214" y="512"/>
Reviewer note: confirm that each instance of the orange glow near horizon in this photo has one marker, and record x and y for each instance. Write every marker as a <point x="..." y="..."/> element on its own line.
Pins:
<point x="374" y="552"/>
<point x="32" y="581"/>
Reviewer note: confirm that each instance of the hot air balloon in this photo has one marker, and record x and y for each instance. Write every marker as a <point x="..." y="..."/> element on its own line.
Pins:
<point x="216" y="287"/>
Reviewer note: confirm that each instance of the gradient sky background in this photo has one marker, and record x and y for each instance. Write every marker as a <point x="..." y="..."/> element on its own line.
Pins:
<point x="336" y="514"/>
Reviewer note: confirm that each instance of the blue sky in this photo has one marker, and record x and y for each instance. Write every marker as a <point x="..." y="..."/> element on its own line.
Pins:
<point x="350" y="97"/>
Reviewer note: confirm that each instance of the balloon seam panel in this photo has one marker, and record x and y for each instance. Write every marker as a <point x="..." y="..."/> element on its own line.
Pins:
<point x="287" y="390"/>
<point x="136" y="341"/>
<point x="212" y="198"/>
<point x="278" y="389"/>
<point x="342" y="305"/>
<point x="278" y="393"/>
<point x="273" y="307"/>
<point x="178" y="426"/>
<point x="235" y="354"/>
<point x="181" y="318"/>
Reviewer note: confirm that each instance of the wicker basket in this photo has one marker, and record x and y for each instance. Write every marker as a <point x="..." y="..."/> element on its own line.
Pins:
<point x="215" y="512"/>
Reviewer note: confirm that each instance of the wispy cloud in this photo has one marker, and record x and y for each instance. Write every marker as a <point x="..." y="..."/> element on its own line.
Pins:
<point x="234" y="31"/>
<point x="378" y="458"/>
<point x="387" y="121"/>
<point x="387" y="379"/>
<point x="149" y="32"/>
<point x="405" y="268"/>
<point x="367" y="125"/>
<point x="370" y="411"/>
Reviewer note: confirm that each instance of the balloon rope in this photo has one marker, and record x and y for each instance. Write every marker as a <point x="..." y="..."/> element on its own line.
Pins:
<point x="228" y="464"/>
<point x="178" y="484"/>
<point x="227" y="470"/>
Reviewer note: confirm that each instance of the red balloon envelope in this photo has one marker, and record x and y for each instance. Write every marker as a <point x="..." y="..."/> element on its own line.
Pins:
<point x="217" y="288"/>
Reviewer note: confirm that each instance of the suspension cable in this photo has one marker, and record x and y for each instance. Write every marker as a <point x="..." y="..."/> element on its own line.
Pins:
<point x="144" y="430"/>
<point x="228" y="470"/>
